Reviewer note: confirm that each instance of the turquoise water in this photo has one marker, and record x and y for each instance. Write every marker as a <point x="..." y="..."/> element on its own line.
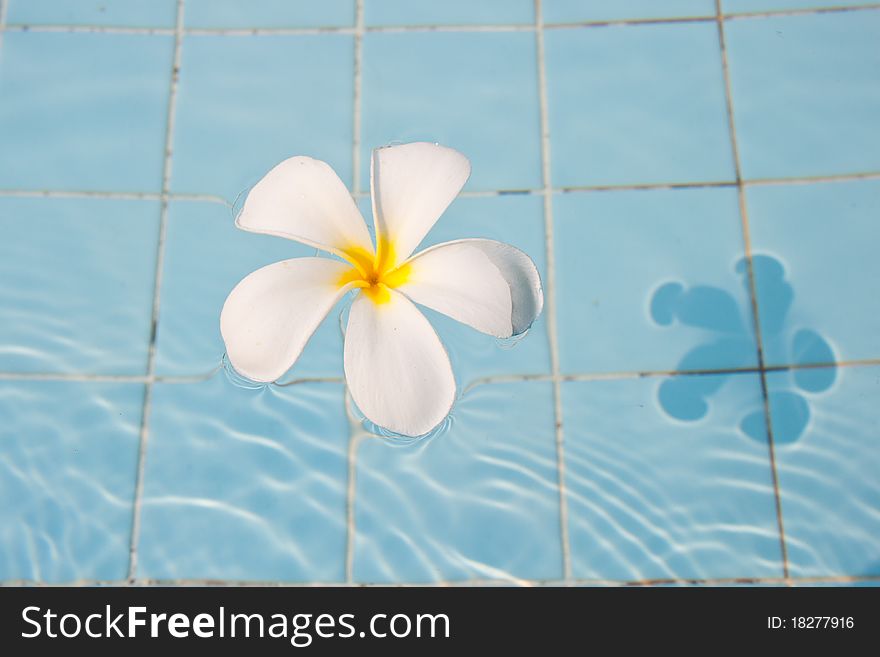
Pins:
<point x="698" y="403"/>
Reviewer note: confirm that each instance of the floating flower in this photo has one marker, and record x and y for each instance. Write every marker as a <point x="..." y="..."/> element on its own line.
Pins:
<point x="395" y="365"/>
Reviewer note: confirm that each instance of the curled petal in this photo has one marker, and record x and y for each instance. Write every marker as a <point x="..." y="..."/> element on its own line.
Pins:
<point x="304" y="200"/>
<point x="396" y="367"/>
<point x="461" y="281"/>
<point x="514" y="266"/>
<point x="271" y="314"/>
<point x="412" y="185"/>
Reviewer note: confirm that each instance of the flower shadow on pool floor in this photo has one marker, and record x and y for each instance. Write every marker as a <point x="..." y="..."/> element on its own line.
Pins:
<point x="687" y="398"/>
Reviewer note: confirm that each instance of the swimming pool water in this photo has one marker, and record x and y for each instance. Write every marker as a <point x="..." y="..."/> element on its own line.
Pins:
<point x="697" y="182"/>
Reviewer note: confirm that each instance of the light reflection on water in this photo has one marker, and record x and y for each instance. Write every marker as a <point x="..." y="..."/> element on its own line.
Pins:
<point x="658" y="480"/>
<point x="239" y="380"/>
<point x="67" y="454"/>
<point x="634" y="513"/>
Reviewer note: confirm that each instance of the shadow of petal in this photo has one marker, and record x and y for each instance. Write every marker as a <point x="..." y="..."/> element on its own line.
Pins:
<point x="808" y="347"/>
<point x="790" y="413"/>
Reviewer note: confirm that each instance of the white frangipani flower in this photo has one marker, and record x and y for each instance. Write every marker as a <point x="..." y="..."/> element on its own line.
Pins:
<point x="395" y="365"/>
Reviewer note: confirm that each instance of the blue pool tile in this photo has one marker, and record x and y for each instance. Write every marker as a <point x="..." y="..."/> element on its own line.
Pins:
<point x="246" y="103"/>
<point x="67" y="480"/>
<point x="480" y="500"/>
<point x="269" y="13"/>
<point x="516" y="220"/>
<point x="71" y="103"/>
<point x="736" y="6"/>
<point x="205" y="257"/>
<point x="824" y="237"/>
<point x="245" y="484"/>
<point x="649" y="280"/>
<point x="433" y="87"/>
<point x="77" y="292"/>
<point x="449" y="12"/>
<point x="652" y="497"/>
<point x="637" y="104"/>
<point x="805" y="93"/>
<point x="574" y="11"/>
<point x="828" y="479"/>
<point x="121" y="13"/>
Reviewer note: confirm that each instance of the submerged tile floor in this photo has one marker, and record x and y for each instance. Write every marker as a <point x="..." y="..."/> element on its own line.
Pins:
<point x="674" y="172"/>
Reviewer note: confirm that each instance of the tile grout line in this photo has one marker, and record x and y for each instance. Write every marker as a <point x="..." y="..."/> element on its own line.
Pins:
<point x="802" y="11"/>
<point x="157" y="287"/>
<point x="353" y="438"/>
<point x="812" y="180"/>
<point x="550" y="310"/>
<point x="356" y="107"/>
<point x="351" y="487"/>
<point x="117" y="196"/>
<point x="463" y="27"/>
<point x="647" y="374"/>
<point x="503" y="378"/>
<point x="571" y="189"/>
<point x="753" y="290"/>
<point x="395" y="29"/>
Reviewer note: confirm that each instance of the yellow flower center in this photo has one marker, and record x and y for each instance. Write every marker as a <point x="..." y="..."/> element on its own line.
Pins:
<point x="375" y="275"/>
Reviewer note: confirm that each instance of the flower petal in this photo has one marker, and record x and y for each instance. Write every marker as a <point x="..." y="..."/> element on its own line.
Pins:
<point x="515" y="267"/>
<point x="396" y="367"/>
<point x="304" y="200"/>
<point x="459" y="280"/>
<point x="412" y="185"/>
<point x="271" y="314"/>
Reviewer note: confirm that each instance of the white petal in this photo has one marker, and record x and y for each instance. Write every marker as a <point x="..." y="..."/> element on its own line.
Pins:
<point x="517" y="269"/>
<point x="304" y="200"/>
<point x="459" y="280"/>
<point x="521" y="274"/>
<point x="271" y="314"/>
<point x="412" y="185"/>
<point x="396" y="367"/>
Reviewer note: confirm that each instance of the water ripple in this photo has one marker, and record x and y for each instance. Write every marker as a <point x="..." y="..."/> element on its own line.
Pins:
<point x="482" y="502"/>
<point x="66" y="478"/>
<point x="245" y="483"/>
